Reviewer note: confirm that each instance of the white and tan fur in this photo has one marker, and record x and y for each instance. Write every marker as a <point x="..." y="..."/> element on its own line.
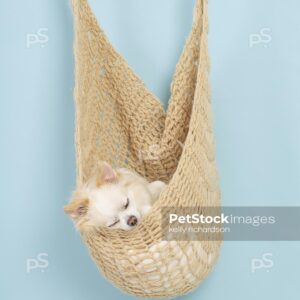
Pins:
<point x="115" y="199"/>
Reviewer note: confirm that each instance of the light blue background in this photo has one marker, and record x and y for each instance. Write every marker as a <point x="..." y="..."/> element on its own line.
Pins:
<point x="256" y="103"/>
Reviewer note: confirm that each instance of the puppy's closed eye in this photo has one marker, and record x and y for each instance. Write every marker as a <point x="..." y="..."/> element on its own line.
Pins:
<point x="113" y="224"/>
<point x="127" y="204"/>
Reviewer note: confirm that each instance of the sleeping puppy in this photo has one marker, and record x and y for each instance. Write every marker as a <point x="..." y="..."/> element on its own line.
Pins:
<point x="113" y="199"/>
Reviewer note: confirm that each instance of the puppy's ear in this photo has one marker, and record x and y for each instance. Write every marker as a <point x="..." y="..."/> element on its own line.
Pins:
<point x="106" y="174"/>
<point x="77" y="208"/>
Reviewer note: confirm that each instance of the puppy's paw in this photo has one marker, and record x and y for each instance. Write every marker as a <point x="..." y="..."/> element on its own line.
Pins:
<point x="156" y="187"/>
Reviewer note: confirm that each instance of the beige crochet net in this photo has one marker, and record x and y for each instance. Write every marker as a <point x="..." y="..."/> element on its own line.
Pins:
<point x="120" y="121"/>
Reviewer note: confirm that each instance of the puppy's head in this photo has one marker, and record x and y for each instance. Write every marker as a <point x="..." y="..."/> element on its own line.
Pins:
<point x="105" y="201"/>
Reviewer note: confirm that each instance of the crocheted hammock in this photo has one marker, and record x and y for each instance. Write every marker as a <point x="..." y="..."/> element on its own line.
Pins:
<point x="120" y="121"/>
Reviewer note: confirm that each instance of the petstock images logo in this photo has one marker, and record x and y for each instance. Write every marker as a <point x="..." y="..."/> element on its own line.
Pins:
<point x="231" y="223"/>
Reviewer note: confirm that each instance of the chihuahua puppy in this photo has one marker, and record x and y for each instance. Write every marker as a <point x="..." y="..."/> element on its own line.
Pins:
<point x="113" y="199"/>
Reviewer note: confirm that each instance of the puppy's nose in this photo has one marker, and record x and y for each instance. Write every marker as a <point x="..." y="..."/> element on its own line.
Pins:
<point x="132" y="221"/>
